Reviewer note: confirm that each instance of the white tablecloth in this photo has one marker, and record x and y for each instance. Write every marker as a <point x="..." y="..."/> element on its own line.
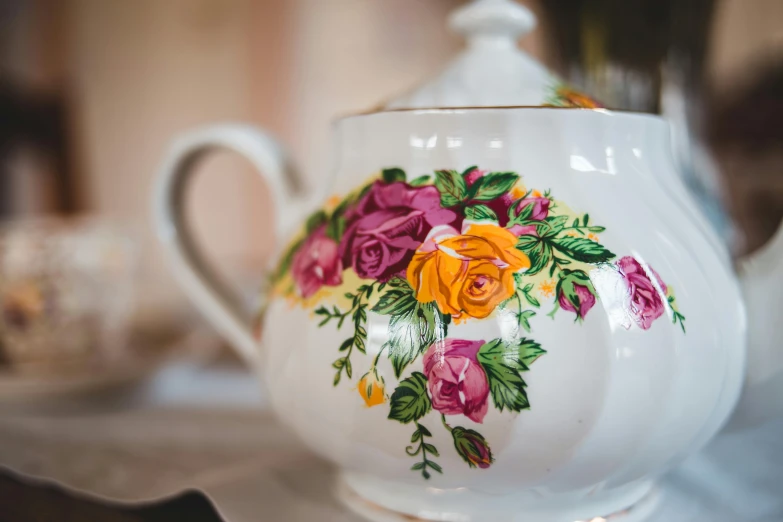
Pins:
<point x="208" y="429"/>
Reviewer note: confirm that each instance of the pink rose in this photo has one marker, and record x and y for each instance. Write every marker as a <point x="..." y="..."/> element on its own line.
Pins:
<point x="316" y="264"/>
<point x="387" y="226"/>
<point x="457" y="382"/>
<point x="646" y="301"/>
<point x="501" y="205"/>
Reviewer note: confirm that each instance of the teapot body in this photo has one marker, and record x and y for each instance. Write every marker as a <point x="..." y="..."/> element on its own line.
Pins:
<point x="503" y="311"/>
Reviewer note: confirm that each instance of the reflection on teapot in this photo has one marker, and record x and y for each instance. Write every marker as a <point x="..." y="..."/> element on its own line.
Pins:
<point x="500" y="312"/>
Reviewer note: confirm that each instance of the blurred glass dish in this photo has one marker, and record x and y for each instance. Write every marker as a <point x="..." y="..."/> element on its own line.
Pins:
<point x="66" y="293"/>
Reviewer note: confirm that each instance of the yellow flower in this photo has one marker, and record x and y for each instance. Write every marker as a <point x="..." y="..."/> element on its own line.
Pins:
<point x="592" y="237"/>
<point x="371" y="389"/>
<point x="519" y="191"/>
<point x="547" y="288"/>
<point x="466" y="274"/>
<point x="332" y="202"/>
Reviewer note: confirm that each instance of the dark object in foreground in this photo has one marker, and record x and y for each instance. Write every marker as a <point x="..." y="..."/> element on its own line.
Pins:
<point x="23" y="501"/>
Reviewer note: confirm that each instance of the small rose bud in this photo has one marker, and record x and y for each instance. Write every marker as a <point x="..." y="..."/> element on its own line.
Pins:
<point x="575" y="293"/>
<point x="371" y="389"/>
<point x="472" y="447"/>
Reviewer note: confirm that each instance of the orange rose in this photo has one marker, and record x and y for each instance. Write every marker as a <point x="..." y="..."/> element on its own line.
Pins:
<point x="466" y="274"/>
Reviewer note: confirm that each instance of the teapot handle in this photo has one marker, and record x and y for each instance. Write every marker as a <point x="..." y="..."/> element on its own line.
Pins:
<point x="216" y="302"/>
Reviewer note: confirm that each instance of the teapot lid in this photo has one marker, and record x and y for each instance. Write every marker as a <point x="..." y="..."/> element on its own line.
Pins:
<point x="492" y="71"/>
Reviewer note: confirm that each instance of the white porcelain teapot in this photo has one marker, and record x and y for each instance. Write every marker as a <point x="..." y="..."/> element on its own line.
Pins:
<point x="513" y="312"/>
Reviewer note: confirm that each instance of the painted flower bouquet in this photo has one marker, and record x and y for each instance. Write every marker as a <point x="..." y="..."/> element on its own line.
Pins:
<point x="438" y="250"/>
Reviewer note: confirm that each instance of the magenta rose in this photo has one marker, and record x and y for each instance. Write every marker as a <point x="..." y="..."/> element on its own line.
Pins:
<point x="646" y="301"/>
<point x="316" y="263"/>
<point x="457" y="382"/>
<point x="501" y="204"/>
<point x="387" y="226"/>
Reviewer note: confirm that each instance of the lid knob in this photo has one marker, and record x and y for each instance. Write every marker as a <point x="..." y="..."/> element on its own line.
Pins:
<point x="492" y="70"/>
<point x="496" y="21"/>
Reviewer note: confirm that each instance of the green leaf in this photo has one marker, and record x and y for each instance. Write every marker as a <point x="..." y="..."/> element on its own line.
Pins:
<point x="451" y="186"/>
<point x="538" y="250"/>
<point x="348" y="369"/>
<point x="596" y="230"/>
<point x="395" y="301"/>
<point x="285" y="262"/>
<point x="335" y="228"/>
<point x="346" y="344"/>
<point x="339" y="363"/>
<point x="424" y="431"/>
<point x="418" y="466"/>
<point x="392" y="175"/>
<point x="585" y="219"/>
<point x="529" y="351"/>
<point x="431" y="449"/>
<point x="527" y="242"/>
<point x="412" y="326"/>
<point x="469" y="170"/>
<point x="492" y="185"/>
<point x="507" y="387"/>
<point x="410" y="401"/>
<point x="582" y="249"/>
<point x="398" y="282"/>
<point x="435" y="466"/>
<point x="336" y="379"/>
<point x="532" y="300"/>
<point x="524" y="318"/>
<point x="416" y="436"/>
<point x="314" y="221"/>
<point x="421" y="180"/>
<point x="554" y="225"/>
<point x="480" y="213"/>
<point x="503" y="361"/>
<point x="539" y="259"/>
<point x="410" y="333"/>
<point x="340" y="209"/>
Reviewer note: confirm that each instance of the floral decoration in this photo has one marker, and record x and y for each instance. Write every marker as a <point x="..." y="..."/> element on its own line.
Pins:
<point x="443" y="249"/>
<point x="563" y="95"/>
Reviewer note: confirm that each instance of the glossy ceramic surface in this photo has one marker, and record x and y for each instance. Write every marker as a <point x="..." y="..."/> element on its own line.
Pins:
<point x="611" y="404"/>
<point x="495" y="313"/>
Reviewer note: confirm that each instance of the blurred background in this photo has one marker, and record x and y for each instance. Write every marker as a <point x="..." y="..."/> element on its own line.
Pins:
<point x="91" y="92"/>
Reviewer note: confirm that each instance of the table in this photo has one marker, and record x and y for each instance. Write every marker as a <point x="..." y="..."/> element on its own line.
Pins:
<point x="208" y="428"/>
